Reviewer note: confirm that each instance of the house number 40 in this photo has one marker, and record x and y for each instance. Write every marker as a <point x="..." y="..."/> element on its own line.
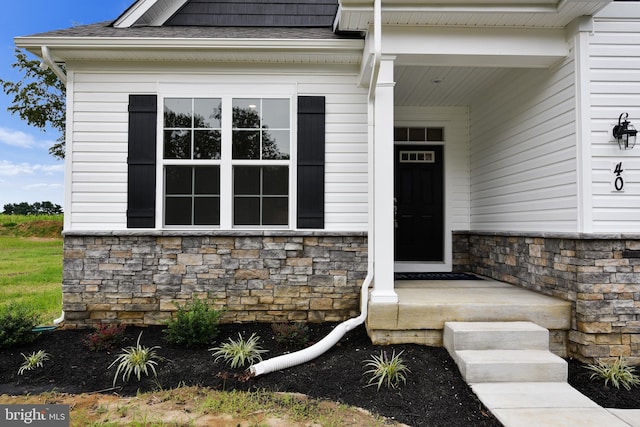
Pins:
<point x="618" y="180"/>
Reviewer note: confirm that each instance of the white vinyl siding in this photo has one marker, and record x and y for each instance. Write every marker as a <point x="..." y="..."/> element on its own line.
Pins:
<point x="523" y="152"/>
<point x="98" y="149"/>
<point x="614" y="62"/>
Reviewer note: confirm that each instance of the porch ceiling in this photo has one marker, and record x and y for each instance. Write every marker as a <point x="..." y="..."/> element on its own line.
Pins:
<point x="443" y="86"/>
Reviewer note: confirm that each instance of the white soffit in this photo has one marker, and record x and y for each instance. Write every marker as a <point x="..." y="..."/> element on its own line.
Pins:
<point x="357" y="15"/>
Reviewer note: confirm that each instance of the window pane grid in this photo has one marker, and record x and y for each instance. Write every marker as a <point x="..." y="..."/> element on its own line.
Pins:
<point x="261" y="129"/>
<point x="256" y="136"/>
<point x="192" y="195"/>
<point x="261" y="195"/>
<point x="192" y="128"/>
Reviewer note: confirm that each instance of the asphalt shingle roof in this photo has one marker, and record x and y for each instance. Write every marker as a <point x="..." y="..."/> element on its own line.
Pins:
<point x="105" y="30"/>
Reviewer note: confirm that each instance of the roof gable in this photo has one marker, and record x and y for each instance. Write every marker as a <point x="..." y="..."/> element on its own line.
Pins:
<point x="256" y="13"/>
<point x="148" y="12"/>
<point x="230" y="13"/>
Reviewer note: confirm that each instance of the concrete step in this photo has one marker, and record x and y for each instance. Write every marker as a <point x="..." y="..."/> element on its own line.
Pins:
<point x="485" y="366"/>
<point x="429" y="307"/>
<point x="494" y="336"/>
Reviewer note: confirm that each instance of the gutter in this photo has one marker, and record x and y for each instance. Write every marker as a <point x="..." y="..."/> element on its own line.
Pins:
<point x="50" y="63"/>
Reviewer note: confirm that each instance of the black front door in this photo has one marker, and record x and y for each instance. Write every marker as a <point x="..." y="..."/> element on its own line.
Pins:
<point x="419" y="232"/>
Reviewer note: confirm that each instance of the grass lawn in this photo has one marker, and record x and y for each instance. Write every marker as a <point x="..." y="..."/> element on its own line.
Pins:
<point x="31" y="263"/>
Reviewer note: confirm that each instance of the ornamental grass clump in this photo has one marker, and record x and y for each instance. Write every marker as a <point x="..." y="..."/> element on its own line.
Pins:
<point x="136" y="360"/>
<point x="195" y="325"/>
<point x="33" y="361"/>
<point x="238" y="353"/>
<point x="619" y="373"/>
<point x="385" y="370"/>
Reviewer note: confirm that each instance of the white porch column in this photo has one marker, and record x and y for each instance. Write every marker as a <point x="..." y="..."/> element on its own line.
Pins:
<point x="383" y="290"/>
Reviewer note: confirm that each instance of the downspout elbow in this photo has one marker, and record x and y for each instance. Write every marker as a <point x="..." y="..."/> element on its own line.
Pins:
<point x="49" y="62"/>
<point x="59" y="319"/>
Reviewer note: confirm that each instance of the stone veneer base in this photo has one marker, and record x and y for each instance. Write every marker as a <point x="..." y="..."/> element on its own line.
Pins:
<point x="137" y="277"/>
<point x="599" y="273"/>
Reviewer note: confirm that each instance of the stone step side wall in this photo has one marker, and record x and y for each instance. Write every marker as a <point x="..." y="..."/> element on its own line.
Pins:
<point x="264" y="277"/>
<point x="600" y="274"/>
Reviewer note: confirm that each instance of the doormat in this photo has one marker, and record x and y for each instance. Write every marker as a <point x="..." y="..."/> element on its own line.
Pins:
<point x="435" y="276"/>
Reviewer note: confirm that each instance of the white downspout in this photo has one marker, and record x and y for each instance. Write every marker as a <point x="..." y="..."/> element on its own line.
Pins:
<point x="59" y="72"/>
<point x="299" y="357"/>
<point x="49" y="62"/>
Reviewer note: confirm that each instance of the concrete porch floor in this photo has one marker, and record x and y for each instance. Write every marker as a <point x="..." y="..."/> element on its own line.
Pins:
<point x="424" y="306"/>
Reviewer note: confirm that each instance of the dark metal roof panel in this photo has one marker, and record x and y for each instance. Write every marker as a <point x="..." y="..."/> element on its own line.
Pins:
<point x="256" y="13"/>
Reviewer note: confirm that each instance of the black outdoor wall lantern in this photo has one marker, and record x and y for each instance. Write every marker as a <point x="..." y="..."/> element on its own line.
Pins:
<point x="624" y="133"/>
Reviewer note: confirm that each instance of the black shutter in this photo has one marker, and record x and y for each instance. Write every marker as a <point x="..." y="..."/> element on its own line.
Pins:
<point x="311" y="141"/>
<point x="141" y="187"/>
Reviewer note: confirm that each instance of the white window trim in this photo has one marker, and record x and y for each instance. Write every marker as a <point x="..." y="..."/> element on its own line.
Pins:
<point x="227" y="93"/>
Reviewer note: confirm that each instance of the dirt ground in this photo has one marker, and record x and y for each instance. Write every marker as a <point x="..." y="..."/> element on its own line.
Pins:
<point x="434" y="394"/>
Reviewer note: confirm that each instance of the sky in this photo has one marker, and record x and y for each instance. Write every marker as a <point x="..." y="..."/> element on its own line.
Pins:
<point x="28" y="173"/>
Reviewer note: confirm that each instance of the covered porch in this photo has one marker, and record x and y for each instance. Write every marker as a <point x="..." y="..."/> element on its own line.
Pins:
<point x="424" y="306"/>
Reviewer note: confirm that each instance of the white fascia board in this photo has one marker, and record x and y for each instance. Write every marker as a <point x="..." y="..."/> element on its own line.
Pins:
<point x="63" y="49"/>
<point x="620" y="10"/>
<point x="134" y="13"/>
<point x="467" y="44"/>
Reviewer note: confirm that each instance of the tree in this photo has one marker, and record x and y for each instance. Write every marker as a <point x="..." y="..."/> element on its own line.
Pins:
<point x="38" y="208"/>
<point x="38" y="98"/>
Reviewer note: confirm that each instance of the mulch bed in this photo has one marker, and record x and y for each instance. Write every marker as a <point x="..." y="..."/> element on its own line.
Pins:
<point x="434" y="394"/>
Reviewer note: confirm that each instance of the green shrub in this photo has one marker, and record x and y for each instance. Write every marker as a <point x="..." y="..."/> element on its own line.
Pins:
<point x="238" y="353"/>
<point x="16" y="325"/>
<point x="195" y="325"/>
<point x="386" y="371"/>
<point x="619" y="373"/>
<point x="296" y="333"/>
<point x="105" y="337"/>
